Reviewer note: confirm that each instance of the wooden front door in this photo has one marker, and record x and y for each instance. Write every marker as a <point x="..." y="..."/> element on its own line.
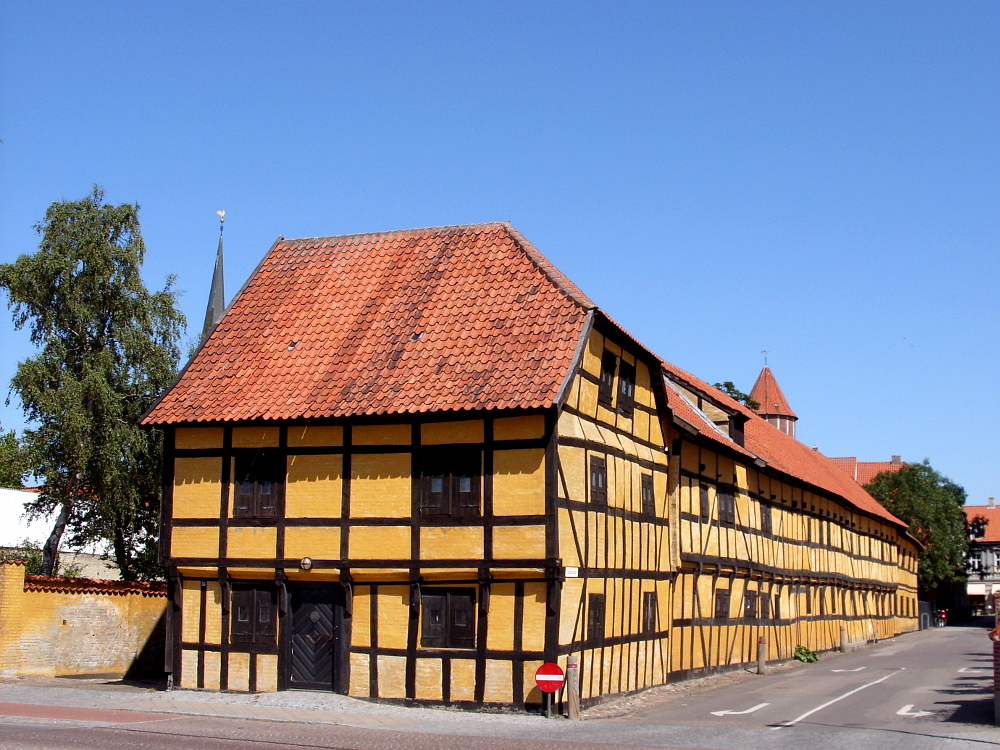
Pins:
<point x="317" y="628"/>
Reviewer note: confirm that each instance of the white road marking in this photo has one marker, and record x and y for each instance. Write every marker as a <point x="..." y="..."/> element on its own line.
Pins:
<point x="748" y="711"/>
<point x="831" y="702"/>
<point x="971" y="669"/>
<point x="848" y="670"/>
<point x="905" y="711"/>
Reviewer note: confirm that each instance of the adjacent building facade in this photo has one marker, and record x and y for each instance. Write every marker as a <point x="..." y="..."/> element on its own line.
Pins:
<point x="983" y="585"/>
<point x="416" y="465"/>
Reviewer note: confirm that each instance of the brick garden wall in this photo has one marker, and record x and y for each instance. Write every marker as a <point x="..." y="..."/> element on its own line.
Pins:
<point x="79" y="626"/>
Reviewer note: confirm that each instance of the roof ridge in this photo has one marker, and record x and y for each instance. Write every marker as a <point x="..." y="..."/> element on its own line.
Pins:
<point x="396" y="231"/>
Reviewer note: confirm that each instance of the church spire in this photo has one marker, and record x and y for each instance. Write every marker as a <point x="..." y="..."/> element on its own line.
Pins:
<point x="774" y="406"/>
<point x="217" y="296"/>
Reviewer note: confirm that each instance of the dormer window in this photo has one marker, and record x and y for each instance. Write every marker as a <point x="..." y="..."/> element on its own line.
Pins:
<point x="606" y="390"/>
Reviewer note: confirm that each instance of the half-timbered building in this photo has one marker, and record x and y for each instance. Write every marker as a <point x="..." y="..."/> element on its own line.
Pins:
<point x="416" y="465"/>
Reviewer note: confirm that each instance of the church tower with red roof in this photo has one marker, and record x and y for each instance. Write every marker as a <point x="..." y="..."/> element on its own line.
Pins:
<point x="774" y="406"/>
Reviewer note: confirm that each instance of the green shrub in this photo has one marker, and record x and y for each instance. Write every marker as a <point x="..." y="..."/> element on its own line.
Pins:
<point x="804" y="654"/>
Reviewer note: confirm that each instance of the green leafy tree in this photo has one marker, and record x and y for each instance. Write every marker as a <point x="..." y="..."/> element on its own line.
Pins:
<point x="932" y="506"/>
<point x="13" y="461"/>
<point x="107" y="348"/>
<point x="730" y="389"/>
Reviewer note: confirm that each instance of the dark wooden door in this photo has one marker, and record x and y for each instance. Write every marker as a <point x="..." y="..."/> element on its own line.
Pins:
<point x="317" y="625"/>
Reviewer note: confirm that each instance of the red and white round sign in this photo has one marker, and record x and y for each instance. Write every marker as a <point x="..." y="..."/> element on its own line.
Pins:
<point x="549" y="678"/>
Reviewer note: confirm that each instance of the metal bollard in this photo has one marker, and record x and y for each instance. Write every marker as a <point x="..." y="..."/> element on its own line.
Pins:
<point x="843" y="639"/>
<point x="573" y="687"/>
<point x="761" y="654"/>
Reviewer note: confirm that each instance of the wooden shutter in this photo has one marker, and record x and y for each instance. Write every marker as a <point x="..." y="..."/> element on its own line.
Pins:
<point x="764" y="605"/>
<point x="461" y="619"/>
<point x="649" y="612"/>
<point x="606" y="389"/>
<point x="466" y="470"/>
<point x="626" y="389"/>
<point x="598" y="481"/>
<point x="765" y="518"/>
<point x="727" y="507"/>
<point x="244" y="489"/>
<point x="268" y="475"/>
<point x="595" y="617"/>
<point x="706" y="504"/>
<point x="648" y="499"/>
<point x="722" y="603"/>
<point x="434" y="620"/>
<point x="750" y="605"/>
<point x="265" y="617"/>
<point x="433" y="485"/>
<point x="241" y="616"/>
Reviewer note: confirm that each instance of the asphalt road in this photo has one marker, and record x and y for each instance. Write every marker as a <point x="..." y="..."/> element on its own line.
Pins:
<point x="929" y="690"/>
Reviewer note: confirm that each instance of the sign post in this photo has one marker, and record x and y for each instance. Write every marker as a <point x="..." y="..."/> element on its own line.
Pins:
<point x="549" y="678"/>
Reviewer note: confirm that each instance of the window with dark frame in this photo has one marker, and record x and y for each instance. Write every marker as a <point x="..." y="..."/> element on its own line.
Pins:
<point x="809" y="601"/>
<point x="599" y="481"/>
<point x="648" y="498"/>
<point x="777" y="607"/>
<point x="595" y="618"/>
<point x="722" y="604"/>
<point x="649" y="612"/>
<point x="706" y="502"/>
<point x="626" y="389"/>
<point x="606" y="389"/>
<point x="727" y="507"/>
<point x="765" y="518"/>
<point x="750" y="605"/>
<point x="449" y="482"/>
<point x="764" y="606"/>
<point x="448" y="618"/>
<point x="258" y="480"/>
<point x="253" y="616"/>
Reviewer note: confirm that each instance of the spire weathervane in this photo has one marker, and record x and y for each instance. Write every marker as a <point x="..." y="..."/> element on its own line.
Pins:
<point x="217" y="295"/>
<point x="764" y="352"/>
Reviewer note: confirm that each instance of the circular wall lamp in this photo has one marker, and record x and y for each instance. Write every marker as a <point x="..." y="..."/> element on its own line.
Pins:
<point x="306" y="563"/>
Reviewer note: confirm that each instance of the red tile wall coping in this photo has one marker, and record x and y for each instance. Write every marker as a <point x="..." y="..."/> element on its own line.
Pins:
<point x="92" y="586"/>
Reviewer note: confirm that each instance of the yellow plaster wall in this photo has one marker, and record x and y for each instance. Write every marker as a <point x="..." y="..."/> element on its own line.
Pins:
<point x="319" y="543"/>
<point x="379" y="542"/>
<point x="519" y="482"/>
<point x="251" y="542"/>
<point x="451" y="542"/>
<point x="255" y="437"/>
<point x="463" y="679"/>
<point x="314" y="486"/>
<point x="381" y="485"/>
<point x="381" y="434"/>
<point x="315" y="436"/>
<point x="519" y="428"/>
<point x="239" y="671"/>
<point x="191" y="541"/>
<point x="393" y="617"/>
<point x="213" y="613"/>
<point x="391" y="676"/>
<point x="197" y="437"/>
<point x="267" y="673"/>
<point x="444" y="433"/>
<point x="360" y="676"/>
<point x="518" y="542"/>
<point x="500" y="622"/>
<point x="197" y="487"/>
<point x="533" y="628"/>
<point x="428" y="679"/>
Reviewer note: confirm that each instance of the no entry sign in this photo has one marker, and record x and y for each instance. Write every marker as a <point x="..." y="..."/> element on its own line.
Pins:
<point x="549" y="678"/>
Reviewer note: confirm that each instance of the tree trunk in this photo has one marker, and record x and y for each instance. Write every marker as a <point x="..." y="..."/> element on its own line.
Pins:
<point x="121" y="553"/>
<point x="50" y="552"/>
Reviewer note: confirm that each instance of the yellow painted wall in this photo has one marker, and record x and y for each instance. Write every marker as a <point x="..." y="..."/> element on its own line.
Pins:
<point x="381" y="485"/>
<point x="190" y="541"/>
<point x="314" y="487"/>
<point x="252" y="542"/>
<point x="381" y="434"/>
<point x="315" y="436"/>
<point x="451" y="542"/>
<point x="197" y="487"/>
<point x="319" y="543"/>
<point x="198" y="437"/>
<point x="519" y="482"/>
<point x="444" y="433"/>
<point x="379" y="542"/>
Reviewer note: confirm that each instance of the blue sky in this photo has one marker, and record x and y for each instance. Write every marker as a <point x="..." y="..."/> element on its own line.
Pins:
<point x="819" y="180"/>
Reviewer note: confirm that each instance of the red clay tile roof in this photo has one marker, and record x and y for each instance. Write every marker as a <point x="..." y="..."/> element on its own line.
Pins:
<point x="92" y="586"/>
<point x="992" y="516"/>
<point x="863" y="472"/>
<point x="768" y="393"/>
<point x="448" y="318"/>
<point x="781" y="452"/>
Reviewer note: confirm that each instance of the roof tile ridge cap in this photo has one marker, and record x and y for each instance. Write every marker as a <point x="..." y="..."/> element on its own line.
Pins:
<point x="411" y="230"/>
<point x="543" y="264"/>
